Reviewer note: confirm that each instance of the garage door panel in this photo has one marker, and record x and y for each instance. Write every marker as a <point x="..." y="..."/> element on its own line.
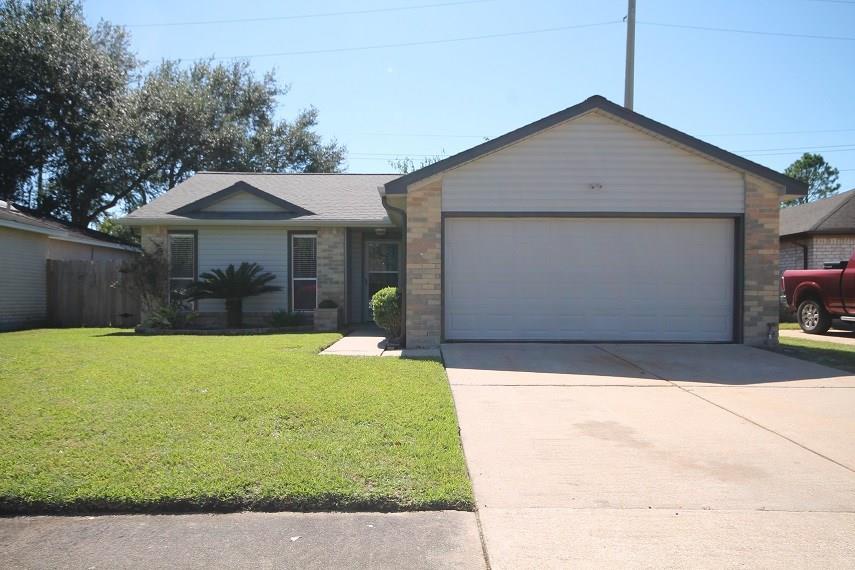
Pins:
<point x="588" y="279"/>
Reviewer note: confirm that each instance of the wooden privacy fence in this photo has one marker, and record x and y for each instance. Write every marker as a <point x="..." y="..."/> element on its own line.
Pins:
<point x="90" y="294"/>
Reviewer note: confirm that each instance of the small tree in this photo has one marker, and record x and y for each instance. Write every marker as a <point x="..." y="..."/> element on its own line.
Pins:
<point x="148" y="275"/>
<point x="233" y="285"/>
<point x="820" y="177"/>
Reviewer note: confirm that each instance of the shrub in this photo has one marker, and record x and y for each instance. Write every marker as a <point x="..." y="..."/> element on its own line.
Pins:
<point x="386" y="308"/>
<point x="233" y="285"/>
<point x="283" y="318"/>
<point x="171" y="316"/>
<point x="328" y="304"/>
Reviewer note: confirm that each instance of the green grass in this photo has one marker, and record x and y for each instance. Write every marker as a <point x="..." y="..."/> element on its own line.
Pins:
<point x="789" y="326"/>
<point x="832" y="354"/>
<point x="103" y="420"/>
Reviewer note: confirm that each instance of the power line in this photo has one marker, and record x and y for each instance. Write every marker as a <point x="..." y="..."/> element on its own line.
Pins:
<point x="306" y="16"/>
<point x="751" y="32"/>
<point x="421" y="43"/>
<point x="758" y="133"/>
<point x="798" y="148"/>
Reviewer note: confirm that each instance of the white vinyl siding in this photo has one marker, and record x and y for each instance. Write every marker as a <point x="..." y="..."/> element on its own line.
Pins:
<point x="243" y="202"/>
<point x="220" y="246"/>
<point x="553" y="171"/>
<point x="23" y="286"/>
<point x="595" y="279"/>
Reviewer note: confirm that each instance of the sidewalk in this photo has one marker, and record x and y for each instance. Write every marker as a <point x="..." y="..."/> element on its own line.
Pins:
<point x="370" y="340"/>
<point x="443" y="539"/>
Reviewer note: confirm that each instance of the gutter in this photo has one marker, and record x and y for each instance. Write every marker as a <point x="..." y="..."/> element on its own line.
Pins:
<point x="403" y="214"/>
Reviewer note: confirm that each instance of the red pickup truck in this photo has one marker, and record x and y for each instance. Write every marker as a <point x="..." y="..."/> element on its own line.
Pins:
<point x="819" y="295"/>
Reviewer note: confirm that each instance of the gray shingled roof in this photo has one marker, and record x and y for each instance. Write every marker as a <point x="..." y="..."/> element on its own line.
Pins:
<point x="830" y="215"/>
<point x="331" y="198"/>
<point x="19" y="217"/>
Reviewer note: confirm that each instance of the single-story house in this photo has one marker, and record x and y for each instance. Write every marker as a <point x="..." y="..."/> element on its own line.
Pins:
<point x="592" y="224"/>
<point x="818" y="232"/>
<point x="27" y="241"/>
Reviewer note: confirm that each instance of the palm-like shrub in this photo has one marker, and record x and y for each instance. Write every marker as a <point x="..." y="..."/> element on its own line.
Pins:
<point x="233" y="285"/>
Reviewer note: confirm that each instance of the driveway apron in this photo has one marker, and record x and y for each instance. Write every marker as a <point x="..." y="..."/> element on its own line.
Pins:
<point x="656" y="455"/>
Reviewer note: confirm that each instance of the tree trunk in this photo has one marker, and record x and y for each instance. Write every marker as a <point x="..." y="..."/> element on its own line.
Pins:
<point x="234" y="313"/>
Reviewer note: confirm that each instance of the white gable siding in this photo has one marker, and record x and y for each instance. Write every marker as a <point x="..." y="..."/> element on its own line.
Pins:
<point x="23" y="287"/>
<point x="553" y="171"/>
<point x="243" y="202"/>
<point x="220" y="246"/>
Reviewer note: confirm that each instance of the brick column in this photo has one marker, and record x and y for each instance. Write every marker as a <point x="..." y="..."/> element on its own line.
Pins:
<point x="424" y="266"/>
<point x="331" y="265"/>
<point x="762" y="288"/>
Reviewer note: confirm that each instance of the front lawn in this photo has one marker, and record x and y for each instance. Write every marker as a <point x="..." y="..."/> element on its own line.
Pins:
<point x="102" y="420"/>
<point x="832" y="354"/>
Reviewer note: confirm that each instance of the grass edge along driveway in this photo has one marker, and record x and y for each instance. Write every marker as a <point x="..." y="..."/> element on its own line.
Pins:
<point x="101" y="420"/>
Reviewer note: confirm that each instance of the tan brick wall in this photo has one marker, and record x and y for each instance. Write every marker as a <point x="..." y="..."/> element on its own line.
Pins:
<point x="331" y="265"/>
<point x="762" y="288"/>
<point x="151" y="236"/>
<point x="424" y="266"/>
<point x="824" y="249"/>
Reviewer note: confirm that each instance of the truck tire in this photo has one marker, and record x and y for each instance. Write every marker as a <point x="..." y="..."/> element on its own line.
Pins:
<point x="813" y="318"/>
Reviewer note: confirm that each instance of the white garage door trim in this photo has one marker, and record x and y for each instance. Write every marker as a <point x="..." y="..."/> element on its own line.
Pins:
<point x="730" y="275"/>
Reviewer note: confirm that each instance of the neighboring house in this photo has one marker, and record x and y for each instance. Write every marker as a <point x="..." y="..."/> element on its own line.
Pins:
<point x="595" y="223"/>
<point x="818" y="232"/>
<point x="27" y="241"/>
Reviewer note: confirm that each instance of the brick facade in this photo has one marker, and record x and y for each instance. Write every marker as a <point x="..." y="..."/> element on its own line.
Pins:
<point x="792" y="254"/>
<point x="761" y="262"/>
<point x="826" y="248"/>
<point x="424" y="266"/>
<point x="332" y="268"/>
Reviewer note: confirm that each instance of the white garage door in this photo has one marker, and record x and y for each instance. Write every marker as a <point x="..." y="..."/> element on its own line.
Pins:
<point x="621" y="279"/>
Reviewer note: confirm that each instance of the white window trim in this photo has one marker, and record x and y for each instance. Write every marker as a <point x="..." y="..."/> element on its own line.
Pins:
<point x="291" y="272"/>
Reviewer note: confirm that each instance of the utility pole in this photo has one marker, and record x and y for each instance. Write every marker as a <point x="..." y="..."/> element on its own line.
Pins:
<point x="629" y="87"/>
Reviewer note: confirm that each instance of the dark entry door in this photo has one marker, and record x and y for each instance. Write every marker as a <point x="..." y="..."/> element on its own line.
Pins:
<point x="382" y="267"/>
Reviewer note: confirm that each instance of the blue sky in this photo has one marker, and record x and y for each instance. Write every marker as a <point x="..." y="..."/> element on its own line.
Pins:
<point x="767" y="97"/>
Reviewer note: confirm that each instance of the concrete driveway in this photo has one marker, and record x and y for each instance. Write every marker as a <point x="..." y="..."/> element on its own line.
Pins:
<point x="657" y="455"/>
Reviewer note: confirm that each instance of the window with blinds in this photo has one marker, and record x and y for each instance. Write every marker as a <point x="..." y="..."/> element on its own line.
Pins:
<point x="304" y="272"/>
<point x="182" y="264"/>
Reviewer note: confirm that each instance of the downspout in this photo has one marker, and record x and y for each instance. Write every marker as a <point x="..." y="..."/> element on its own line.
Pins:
<point x="403" y="282"/>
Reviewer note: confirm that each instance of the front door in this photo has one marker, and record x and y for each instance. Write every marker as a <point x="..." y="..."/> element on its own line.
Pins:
<point x="382" y="268"/>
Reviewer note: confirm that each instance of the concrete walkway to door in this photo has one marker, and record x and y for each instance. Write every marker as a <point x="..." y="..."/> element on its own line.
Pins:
<point x="656" y="455"/>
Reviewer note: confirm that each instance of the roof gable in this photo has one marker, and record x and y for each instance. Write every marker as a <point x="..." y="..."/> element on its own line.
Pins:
<point x="792" y="186"/>
<point x="241" y="201"/>
<point x="830" y="215"/>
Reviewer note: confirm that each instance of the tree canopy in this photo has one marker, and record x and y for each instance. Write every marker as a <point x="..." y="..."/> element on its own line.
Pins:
<point x="87" y="130"/>
<point x="813" y="170"/>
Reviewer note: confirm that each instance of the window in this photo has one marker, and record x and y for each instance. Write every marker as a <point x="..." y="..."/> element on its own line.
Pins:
<point x="304" y="272"/>
<point x="182" y="264"/>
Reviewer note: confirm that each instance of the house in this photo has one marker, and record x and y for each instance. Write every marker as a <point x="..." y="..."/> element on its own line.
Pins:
<point x="595" y="223"/>
<point x="818" y="232"/>
<point x="27" y="241"/>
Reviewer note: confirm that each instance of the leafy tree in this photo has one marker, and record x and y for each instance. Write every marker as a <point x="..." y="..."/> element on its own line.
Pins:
<point x="62" y="85"/>
<point x="111" y="226"/>
<point x="86" y="134"/>
<point x="813" y="170"/>
<point x="405" y="164"/>
<point x="233" y="285"/>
